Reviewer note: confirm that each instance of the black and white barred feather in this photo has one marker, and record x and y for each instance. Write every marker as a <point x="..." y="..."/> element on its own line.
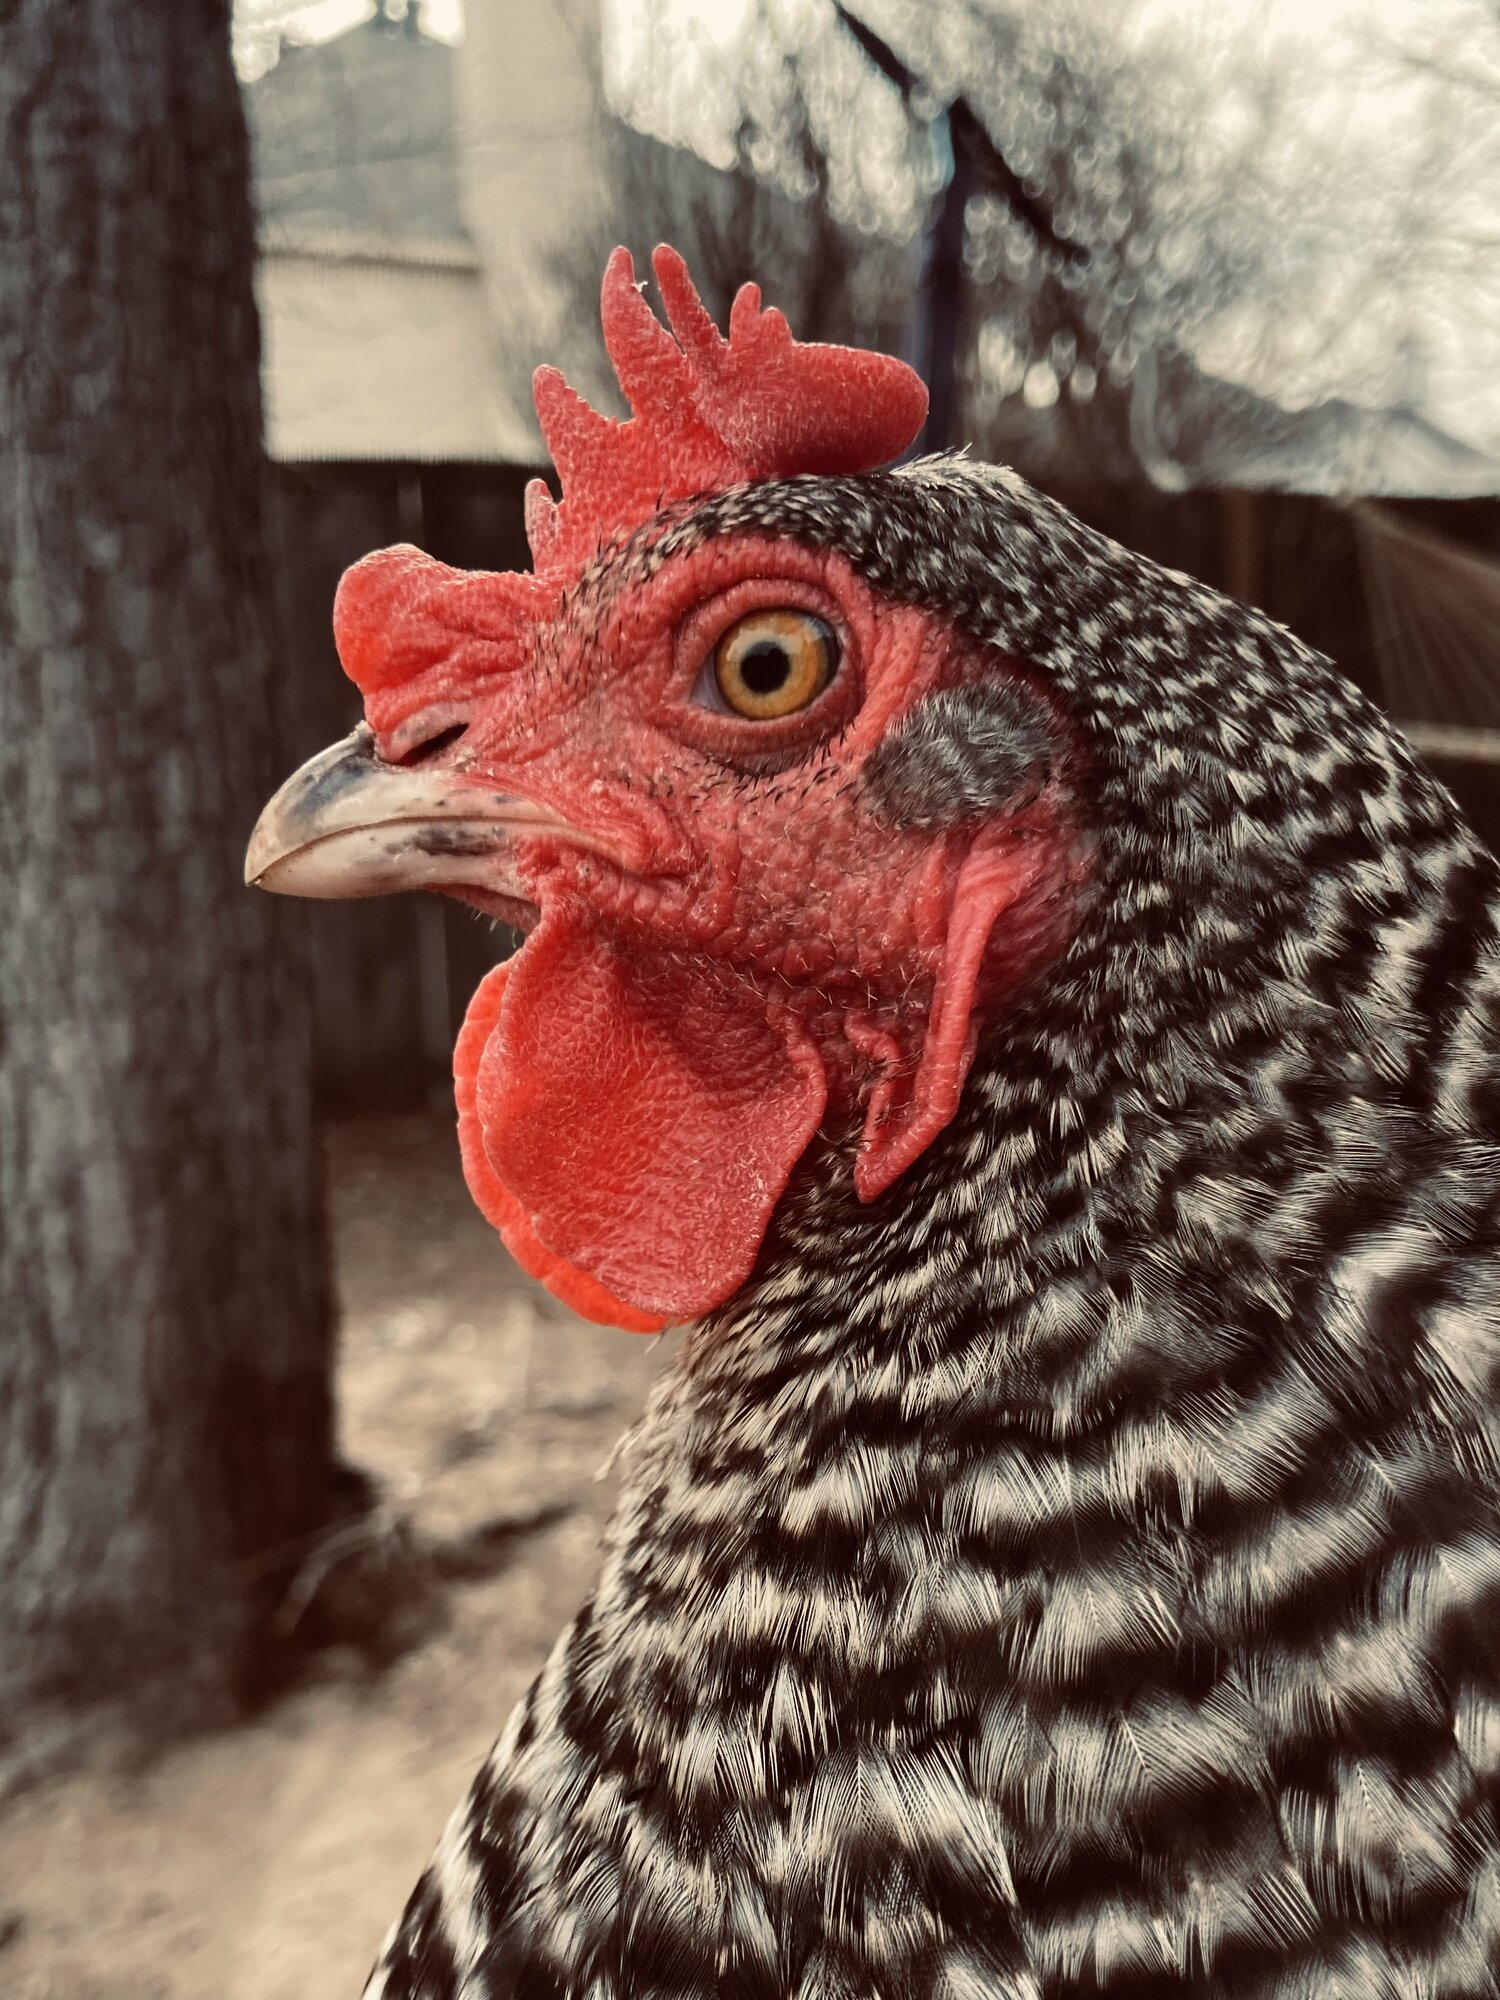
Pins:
<point x="1079" y="1572"/>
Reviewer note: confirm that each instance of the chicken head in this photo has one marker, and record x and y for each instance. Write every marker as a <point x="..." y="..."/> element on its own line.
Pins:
<point x="780" y="842"/>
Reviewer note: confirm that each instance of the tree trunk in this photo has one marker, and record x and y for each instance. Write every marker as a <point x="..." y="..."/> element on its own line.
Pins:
<point x="164" y="1343"/>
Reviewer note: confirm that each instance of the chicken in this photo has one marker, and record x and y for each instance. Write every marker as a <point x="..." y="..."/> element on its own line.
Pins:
<point x="1041" y="1023"/>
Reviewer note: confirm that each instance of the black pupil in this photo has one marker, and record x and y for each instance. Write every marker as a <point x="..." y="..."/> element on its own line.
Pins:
<point x="765" y="666"/>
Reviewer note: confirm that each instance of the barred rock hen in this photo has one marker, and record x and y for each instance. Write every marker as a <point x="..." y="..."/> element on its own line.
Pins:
<point x="1045" y="1026"/>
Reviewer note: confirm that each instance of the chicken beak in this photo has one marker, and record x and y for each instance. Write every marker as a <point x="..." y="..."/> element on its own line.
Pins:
<point x="348" y="824"/>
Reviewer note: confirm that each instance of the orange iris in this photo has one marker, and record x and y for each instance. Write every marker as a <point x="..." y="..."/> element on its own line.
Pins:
<point x="772" y="663"/>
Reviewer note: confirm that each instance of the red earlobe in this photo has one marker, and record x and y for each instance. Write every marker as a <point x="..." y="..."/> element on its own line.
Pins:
<point x="913" y="1101"/>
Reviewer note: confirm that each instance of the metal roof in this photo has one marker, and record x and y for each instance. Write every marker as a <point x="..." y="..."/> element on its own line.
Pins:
<point x="356" y="134"/>
<point x="377" y="338"/>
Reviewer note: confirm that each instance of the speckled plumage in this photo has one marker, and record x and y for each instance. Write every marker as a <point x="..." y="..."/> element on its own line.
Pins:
<point x="1078" y="1572"/>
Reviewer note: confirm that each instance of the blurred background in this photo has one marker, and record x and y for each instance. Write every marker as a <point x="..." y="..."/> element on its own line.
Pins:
<point x="299" y="1477"/>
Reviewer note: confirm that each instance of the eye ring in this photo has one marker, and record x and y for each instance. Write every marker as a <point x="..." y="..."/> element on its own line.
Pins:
<point x="773" y="662"/>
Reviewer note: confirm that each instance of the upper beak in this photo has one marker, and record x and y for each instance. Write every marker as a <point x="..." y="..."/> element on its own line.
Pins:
<point x="348" y="824"/>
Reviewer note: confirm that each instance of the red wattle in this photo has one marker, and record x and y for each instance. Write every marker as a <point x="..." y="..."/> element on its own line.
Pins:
<point x="629" y="1120"/>
<point x="586" y="1296"/>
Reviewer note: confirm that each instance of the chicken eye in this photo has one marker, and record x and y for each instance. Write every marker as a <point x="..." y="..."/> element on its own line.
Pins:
<point x="773" y="663"/>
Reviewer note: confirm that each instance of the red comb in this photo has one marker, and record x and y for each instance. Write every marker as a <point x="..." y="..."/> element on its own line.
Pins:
<point x="706" y="412"/>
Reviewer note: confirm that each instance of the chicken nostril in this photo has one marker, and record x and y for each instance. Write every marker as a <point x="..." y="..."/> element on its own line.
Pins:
<point x="431" y="746"/>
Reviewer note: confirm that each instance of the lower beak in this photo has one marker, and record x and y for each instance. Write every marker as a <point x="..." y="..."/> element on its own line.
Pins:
<point x="348" y="824"/>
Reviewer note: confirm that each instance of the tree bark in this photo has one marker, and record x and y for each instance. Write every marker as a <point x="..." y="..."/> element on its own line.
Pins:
<point x="164" y="1342"/>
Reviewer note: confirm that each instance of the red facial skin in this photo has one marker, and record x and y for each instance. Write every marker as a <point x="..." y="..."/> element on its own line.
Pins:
<point x="733" y="950"/>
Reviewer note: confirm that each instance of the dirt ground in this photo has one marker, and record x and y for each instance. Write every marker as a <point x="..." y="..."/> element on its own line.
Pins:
<point x="266" y="1863"/>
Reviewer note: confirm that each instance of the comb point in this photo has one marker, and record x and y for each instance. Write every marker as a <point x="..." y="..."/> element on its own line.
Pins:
<point x="707" y="412"/>
<point x="687" y="315"/>
<point x="647" y="361"/>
